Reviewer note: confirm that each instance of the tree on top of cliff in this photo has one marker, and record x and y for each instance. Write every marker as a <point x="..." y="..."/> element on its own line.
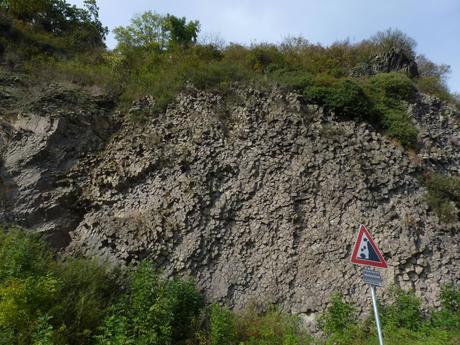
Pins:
<point x="80" y="27"/>
<point x="154" y="31"/>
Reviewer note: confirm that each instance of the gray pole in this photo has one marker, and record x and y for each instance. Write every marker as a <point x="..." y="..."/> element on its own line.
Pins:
<point x="376" y="313"/>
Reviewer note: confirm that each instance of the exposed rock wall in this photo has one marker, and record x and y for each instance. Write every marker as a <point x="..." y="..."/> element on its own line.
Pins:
<point x="44" y="131"/>
<point x="394" y="60"/>
<point x="257" y="196"/>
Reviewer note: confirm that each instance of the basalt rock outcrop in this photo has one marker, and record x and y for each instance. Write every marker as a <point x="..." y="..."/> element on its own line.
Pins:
<point x="257" y="195"/>
<point x="44" y="131"/>
<point x="393" y="60"/>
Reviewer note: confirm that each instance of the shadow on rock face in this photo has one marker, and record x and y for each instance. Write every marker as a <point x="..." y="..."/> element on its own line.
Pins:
<point x="42" y="145"/>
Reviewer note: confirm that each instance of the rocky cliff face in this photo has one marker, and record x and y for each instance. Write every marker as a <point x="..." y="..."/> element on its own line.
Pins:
<point x="256" y="196"/>
<point x="44" y="131"/>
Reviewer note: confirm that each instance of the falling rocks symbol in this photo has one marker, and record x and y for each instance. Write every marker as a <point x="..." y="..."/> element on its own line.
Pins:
<point x="366" y="252"/>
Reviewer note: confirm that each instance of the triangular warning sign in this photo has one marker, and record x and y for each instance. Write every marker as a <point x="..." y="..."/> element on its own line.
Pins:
<point x="366" y="251"/>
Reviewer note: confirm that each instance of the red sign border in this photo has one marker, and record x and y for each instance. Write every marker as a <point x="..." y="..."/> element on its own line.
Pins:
<point x="354" y="257"/>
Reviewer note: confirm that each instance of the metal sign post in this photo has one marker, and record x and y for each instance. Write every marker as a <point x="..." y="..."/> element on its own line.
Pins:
<point x="373" y="279"/>
<point x="366" y="253"/>
<point x="376" y="314"/>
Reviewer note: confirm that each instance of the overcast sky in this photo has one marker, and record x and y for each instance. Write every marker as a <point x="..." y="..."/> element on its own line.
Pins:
<point x="434" y="24"/>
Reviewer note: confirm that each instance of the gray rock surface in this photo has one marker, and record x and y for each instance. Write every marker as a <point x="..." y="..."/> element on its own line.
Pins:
<point x="257" y="196"/>
<point x="394" y="60"/>
<point x="42" y="136"/>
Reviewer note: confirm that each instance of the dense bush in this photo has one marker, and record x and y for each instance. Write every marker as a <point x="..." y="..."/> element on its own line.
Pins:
<point x="339" y="322"/>
<point x="164" y="76"/>
<point x="389" y="92"/>
<point x="153" y="311"/>
<point x="436" y="87"/>
<point x="395" y="86"/>
<point x="271" y="327"/>
<point x="444" y="196"/>
<point x="265" y="57"/>
<point x="41" y="297"/>
<point x="158" y="55"/>
<point x="398" y="124"/>
<point x="402" y="320"/>
<point x="253" y="328"/>
<point x="385" y="41"/>
<point x="404" y="312"/>
<point x="152" y="31"/>
<point x="81" y="28"/>
<point x="344" y="97"/>
<point x="222" y="326"/>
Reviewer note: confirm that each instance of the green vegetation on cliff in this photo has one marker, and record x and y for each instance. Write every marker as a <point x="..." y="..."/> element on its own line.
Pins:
<point x="30" y="28"/>
<point x="158" y="55"/>
<point x="47" y="299"/>
<point x="444" y="196"/>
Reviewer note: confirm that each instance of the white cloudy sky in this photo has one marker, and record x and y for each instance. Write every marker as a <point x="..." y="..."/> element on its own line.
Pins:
<point x="434" y="24"/>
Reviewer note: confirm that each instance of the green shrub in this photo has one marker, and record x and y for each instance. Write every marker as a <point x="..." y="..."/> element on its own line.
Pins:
<point x="396" y="86"/>
<point x="43" y="332"/>
<point x="449" y="316"/>
<point x="265" y="57"/>
<point x="338" y="317"/>
<point x="344" y="97"/>
<point x="41" y="298"/>
<point x="404" y="312"/>
<point x="186" y="307"/>
<point x="398" y="124"/>
<point x="154" y="311"/>
<point x="116" y="329"/>
<point x="87" y="290"/>
<point x="222" y="326"/>
<point x="402" y="321"/>
<point x="23" y="301"/>
<point x="271" y="327"/>
<point x="350" y="101"/>
<point x="435" y="86"/>
<point x="22" y="255"/>
<point x="164" y="76"/>
<point x="292" y="79"/>
<point x="387" y="91"/>
<point x="443" y="196"/>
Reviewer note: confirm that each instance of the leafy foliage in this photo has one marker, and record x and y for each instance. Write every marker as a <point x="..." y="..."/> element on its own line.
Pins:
<point x="344" y="97"/>
<point x="22" y="256"/>
<point x="395" y="86"/>
<point x="158" y="55"/>
<point x="81" y="28"/>
<point x="444" y="196"/>
<point x="181" y="32"/>
<point x="339" y="316"/>
<point x="86" y="291"/>
<point x="404" y="312"/>
<point x="402" y="320"/>
<point x="43" y="299"/>
<point x="271" y="327"/>
<point x="151" y="30"/>
<point x="448" y="317"/>
<point x="223" y="326"/>
<point x="154" y="311"/>
<point x="385" y="41"/>
<point x="389" y="92"/>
